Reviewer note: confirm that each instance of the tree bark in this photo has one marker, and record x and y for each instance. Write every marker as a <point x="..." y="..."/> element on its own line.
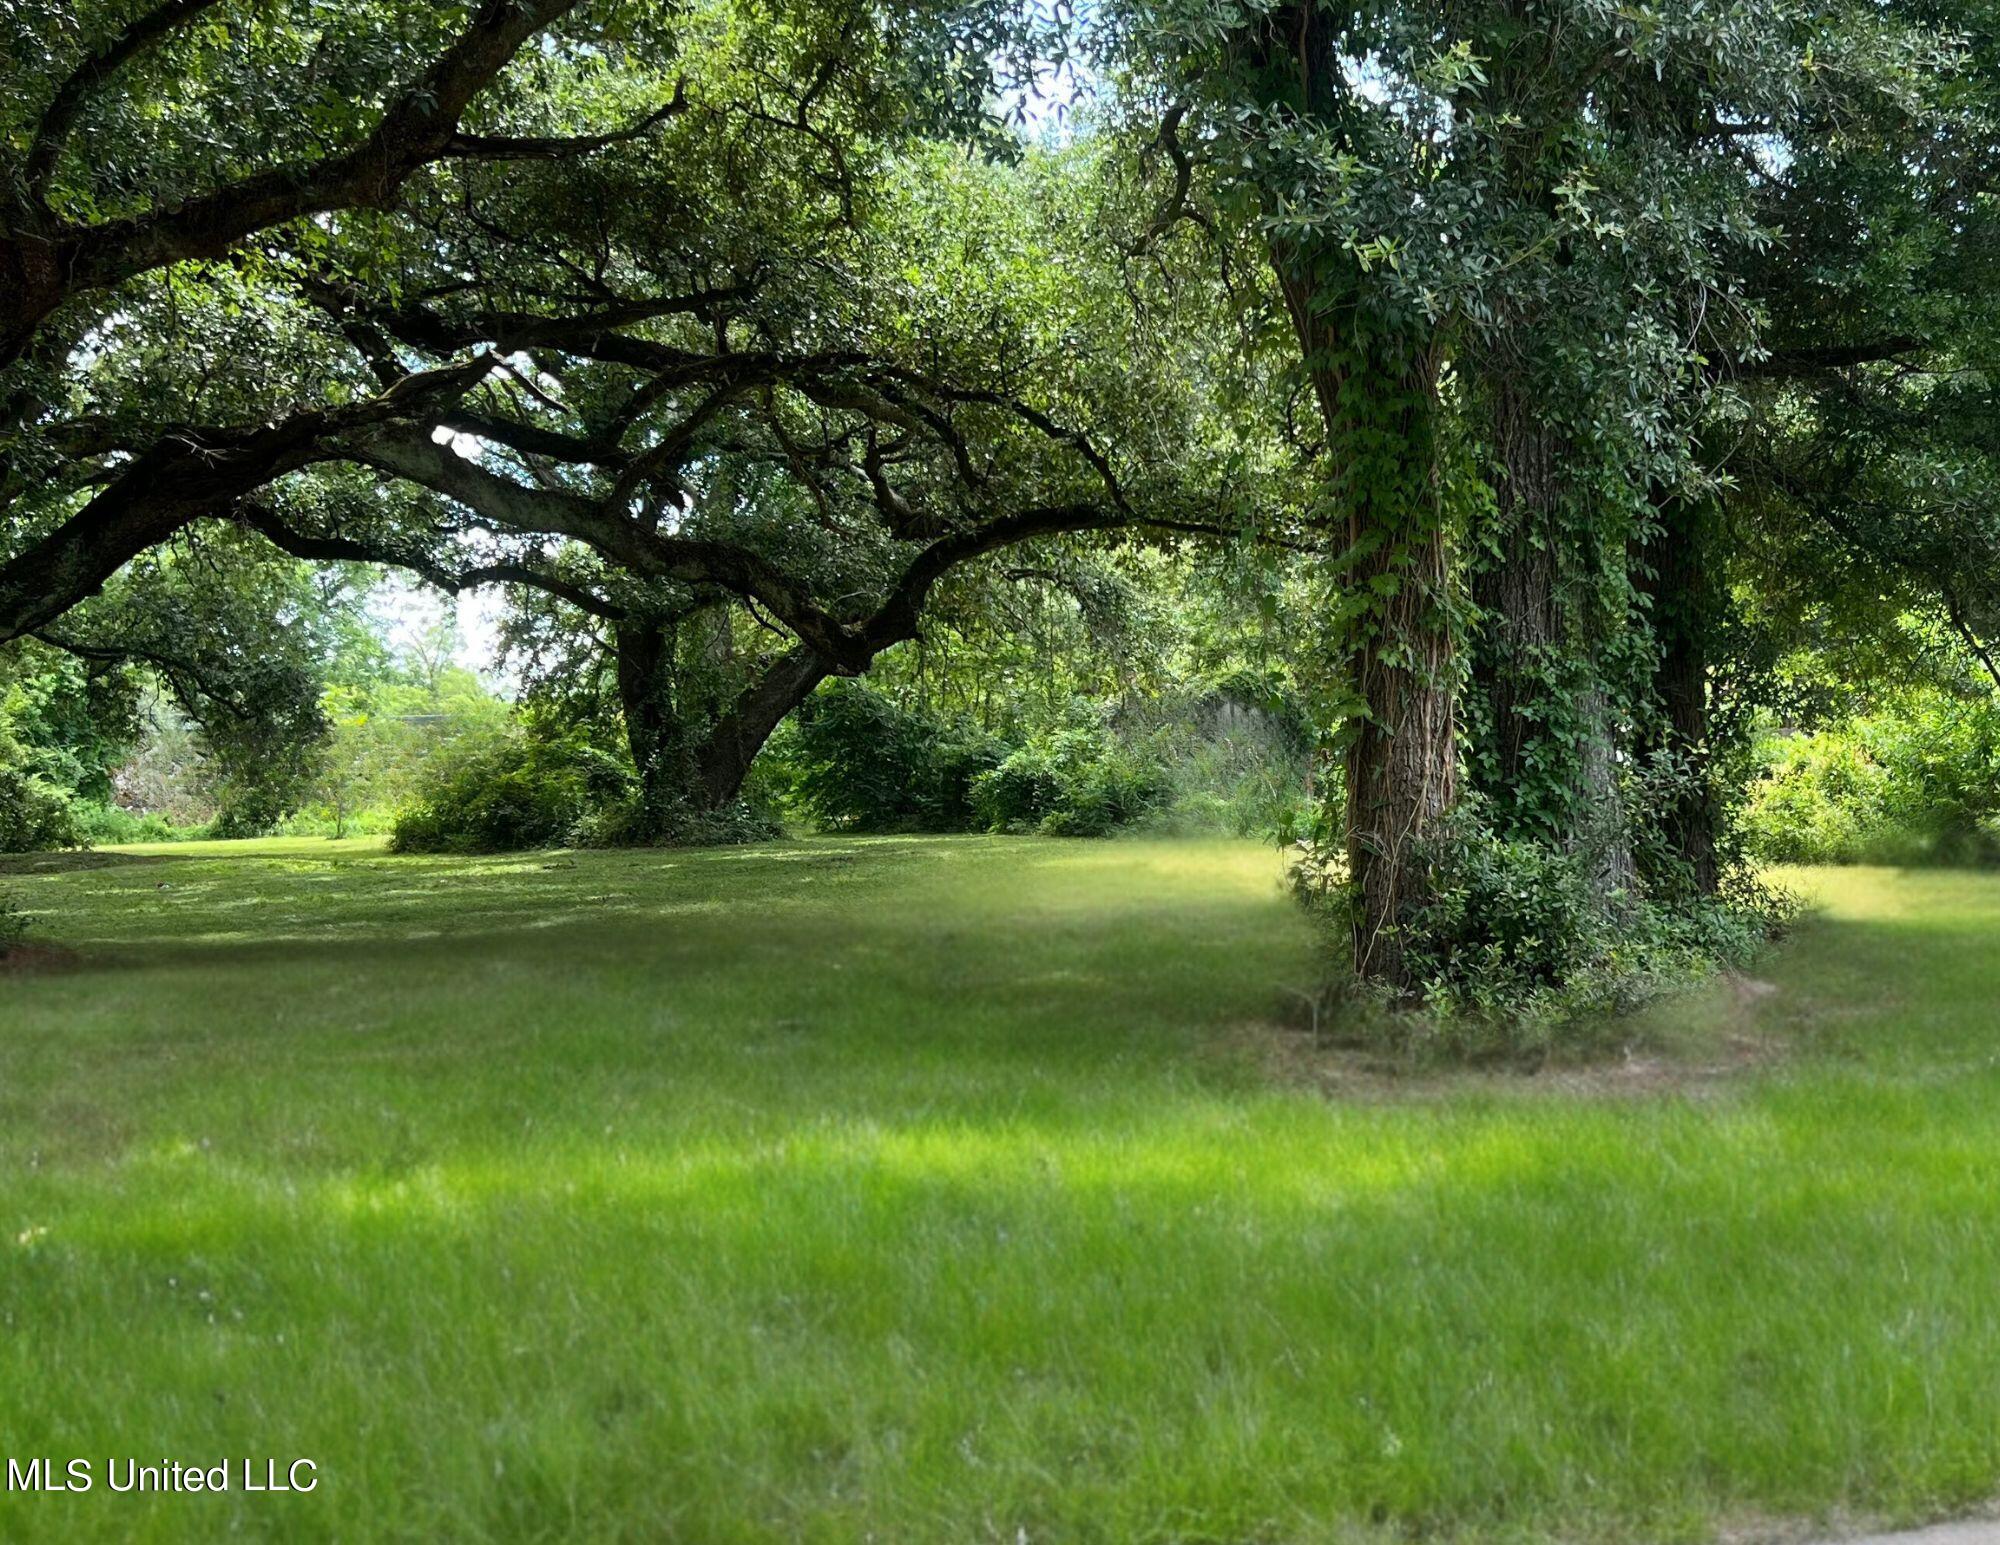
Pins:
<point x="1521" y="625"/>
<point x="1377" y="390"/>
<point x="1374" y="372"/>
<point x="1550" y="762"/>
<point x="1685" y="604"/>
<point x="692" y="759"/>
<point x="724" y="758"/>
<point x="653" y="729"/>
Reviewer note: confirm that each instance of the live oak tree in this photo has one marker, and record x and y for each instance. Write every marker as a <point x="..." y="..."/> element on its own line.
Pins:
<point x="136" y="140"/>
<point x="706" y="329"/>
<point x="808" y="491"/>
<point x="159" y="158"/>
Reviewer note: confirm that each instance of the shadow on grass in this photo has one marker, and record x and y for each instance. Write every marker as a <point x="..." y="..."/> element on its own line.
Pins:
<point x="72" y="863"/>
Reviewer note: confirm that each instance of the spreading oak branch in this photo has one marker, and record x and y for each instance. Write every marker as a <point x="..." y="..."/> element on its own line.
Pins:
<point x="46" y="259"/>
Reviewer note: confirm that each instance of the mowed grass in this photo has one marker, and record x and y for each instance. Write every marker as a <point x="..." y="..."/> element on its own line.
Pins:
<point x="931" y="1190"/>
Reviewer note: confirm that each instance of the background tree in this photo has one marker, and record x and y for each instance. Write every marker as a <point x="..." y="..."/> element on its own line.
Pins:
<point x="742" y="353"/>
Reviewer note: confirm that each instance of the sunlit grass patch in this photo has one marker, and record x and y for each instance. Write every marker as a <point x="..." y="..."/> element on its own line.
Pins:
<point x="923" y="1190"/>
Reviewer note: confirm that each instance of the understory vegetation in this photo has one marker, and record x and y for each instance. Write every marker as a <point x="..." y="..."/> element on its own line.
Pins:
<point x="1510" y="960"/>
<point x="855" y="760"/>
<point x="1916" y="781"/>
<point x="953" y="1188"/>
<point x="1208" y="735"/>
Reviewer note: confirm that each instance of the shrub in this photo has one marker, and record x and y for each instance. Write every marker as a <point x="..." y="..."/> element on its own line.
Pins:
<point x="1508" y="920"/>
<point x="862" y="763"/>
<point x="13" y="924"/>
<point x="1819" y="801"/>
<point x="1018" y="792"/>
<point x="1074" y="782"/>
<point x="1941" y="795"/>
<point x="1920" y="784"/>
<point x="35" y="815"/>
<point x="1518" y="953"/>
<point x="111" y="824"/>
<point x="855" y="760"/>
<point x="511" y="791"/>
<point x="1233" y="754"/>
<point x="628" y="822"/>
<point x="322" y="821"/>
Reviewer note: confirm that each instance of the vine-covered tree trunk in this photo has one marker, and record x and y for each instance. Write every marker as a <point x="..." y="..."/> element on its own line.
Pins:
<point x="1377" y="389"/>
<point x="1402" y="767"/>
<point x="1374" y="371"/>
<point x="1684" y="612"/>
<point x="1549" y="762"/>
<point x="1520" y="621"/>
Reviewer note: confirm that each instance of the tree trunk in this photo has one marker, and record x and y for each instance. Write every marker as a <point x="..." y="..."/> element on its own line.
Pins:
<point x="1521" y="626"/>
<point x="724" y="758"/>
<point x="1376" y="383"/>
<point x="1374" y="371"/>
<point x="1684" y="610"/>
<point x="653" y="728"/>
<point x="1401" y="779"/>
<point x="692" y="760"/>
<point x="1549" y="761"/>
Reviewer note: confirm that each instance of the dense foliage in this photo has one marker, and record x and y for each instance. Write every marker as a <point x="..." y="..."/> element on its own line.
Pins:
<point x="1075" y="700"/>
<point x="34" y="813"/>
<point x="1916" y="782"/>
<point x="513" y="790"/>
<point x="1077" y="781"/>
<point x="260" y="697"/>
<point x="61" y="733"/>
<point x="859" y="762"/>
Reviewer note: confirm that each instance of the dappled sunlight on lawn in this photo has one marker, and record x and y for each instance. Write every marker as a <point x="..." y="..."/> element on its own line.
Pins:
<point x="924" y="1188"/>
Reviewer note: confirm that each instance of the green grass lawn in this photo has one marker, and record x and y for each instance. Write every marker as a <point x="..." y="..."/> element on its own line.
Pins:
<point x="918" y="1190"/>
